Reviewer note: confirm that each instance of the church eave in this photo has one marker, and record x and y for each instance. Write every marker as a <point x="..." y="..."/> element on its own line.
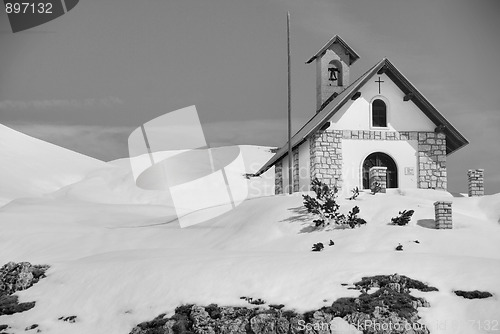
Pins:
<point x="336" y="39"/>
<point x="454" y="139"/>
<point x="322" y="116"/>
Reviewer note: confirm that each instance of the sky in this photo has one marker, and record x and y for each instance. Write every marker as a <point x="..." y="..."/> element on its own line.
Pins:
<point x="87" y="79"/>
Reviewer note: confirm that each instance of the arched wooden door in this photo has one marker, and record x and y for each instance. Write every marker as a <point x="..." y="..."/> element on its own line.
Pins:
<point x="380" y="159"/>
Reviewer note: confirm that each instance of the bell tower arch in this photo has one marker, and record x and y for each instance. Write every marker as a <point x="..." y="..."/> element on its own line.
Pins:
<point x="333" y="62"/>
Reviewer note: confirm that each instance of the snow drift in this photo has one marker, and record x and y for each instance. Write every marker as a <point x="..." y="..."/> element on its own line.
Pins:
<point x="118" y="256"/>
<point x="31" y="167"/>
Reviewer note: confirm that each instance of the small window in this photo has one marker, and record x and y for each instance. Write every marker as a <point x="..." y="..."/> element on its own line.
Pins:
<point x="379" y="114"/>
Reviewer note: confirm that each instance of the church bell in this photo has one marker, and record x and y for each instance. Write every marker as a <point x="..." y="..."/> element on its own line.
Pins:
<point x="333" y="73"/>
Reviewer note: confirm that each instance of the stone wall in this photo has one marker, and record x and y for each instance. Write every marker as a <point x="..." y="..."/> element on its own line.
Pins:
<point x="380" y="135"/>
<point x="431" y="153"/>
<point x="326" y="156"/>
<point x="379" y="175"/>
<point x="443" y="214"/>
<point x="295" y="155"/>
<point x="476" y="182"/>
<point x="432" y="160"/>
<point x="278" y="178"/>
<point x="279" y="187"/>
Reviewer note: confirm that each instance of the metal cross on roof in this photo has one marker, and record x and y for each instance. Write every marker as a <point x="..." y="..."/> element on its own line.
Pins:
<point x="379" y="82"/>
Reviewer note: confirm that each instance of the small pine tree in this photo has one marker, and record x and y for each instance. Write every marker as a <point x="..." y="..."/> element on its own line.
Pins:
<point x="376" y="188"/>
<point x="352" y="218"/>
<point x="318" y="247"/>
<point x="355" y="193"/>
<point x="403" y="218"/>
<point x="325" y="206"/>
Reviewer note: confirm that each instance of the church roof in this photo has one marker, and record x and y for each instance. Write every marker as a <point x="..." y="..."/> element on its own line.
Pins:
<point x="454" y="139"/>
<point x="333" y="40"/>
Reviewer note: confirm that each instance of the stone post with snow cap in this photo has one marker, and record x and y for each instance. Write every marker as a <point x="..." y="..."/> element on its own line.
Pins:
<point x="379" y="175"/>
<point x="476" y="182"/>
<point x="443" y="214"/>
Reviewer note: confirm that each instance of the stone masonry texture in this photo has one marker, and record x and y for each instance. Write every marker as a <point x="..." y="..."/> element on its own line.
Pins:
<point x="432" y="160"/>
<point x="476" y="182"/>
<point x="278" y="178"/>
<point x="326" y="157"/>
<point x="295" y="154"/>
<point x="443" y="214"/>
<point x="379" y="135"/>
<point x="431" y="153"/>
<point x="379" y="175"/>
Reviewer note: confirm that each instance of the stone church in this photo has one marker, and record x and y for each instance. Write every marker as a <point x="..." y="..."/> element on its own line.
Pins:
<point x="377" y="127"/>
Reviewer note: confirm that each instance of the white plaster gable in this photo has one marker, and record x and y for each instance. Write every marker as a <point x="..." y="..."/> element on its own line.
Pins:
<point x="401" y="115"/>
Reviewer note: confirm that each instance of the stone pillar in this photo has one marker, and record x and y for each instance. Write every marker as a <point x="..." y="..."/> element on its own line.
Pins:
<point x="295" y="155"/>
<point x="379" y="174"/>
<point x="443" y="214"/>
<point x="432" y="160"/>
<point x="278" y="178"/>
<point x="325" y="149"/>
<point x="476" y="182"/>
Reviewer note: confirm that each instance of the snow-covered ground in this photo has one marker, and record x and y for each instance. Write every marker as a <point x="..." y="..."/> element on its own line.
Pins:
<point x="118" y="256"/>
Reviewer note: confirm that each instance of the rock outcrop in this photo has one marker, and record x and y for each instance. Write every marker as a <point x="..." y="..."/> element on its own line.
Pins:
<point x="20" y="276"/>
<point x="17" y="277"/>
<point x="389" y="309"/>
<point x="473" y="294"/>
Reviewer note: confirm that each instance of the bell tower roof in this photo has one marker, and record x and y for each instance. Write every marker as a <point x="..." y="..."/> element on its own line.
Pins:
<point x="353" y="56"/>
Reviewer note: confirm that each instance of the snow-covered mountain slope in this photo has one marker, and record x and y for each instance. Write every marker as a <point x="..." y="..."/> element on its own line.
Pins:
<point x="117" y="265"/>
<point x="119" y="257"/>
<point x="31" y="167"/>
<point x="115" y="183"/>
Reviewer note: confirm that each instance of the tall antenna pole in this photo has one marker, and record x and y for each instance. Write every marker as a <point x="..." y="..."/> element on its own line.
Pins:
<point x="290" y="158"/>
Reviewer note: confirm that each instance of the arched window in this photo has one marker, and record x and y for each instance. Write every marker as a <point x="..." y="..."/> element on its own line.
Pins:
<point x="379" y="113"/>
<point x="379" y="159"/>
<point x="335" y="73"/>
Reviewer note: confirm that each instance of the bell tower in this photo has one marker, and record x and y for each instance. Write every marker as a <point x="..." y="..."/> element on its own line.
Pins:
<point x="333" y="62"/>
